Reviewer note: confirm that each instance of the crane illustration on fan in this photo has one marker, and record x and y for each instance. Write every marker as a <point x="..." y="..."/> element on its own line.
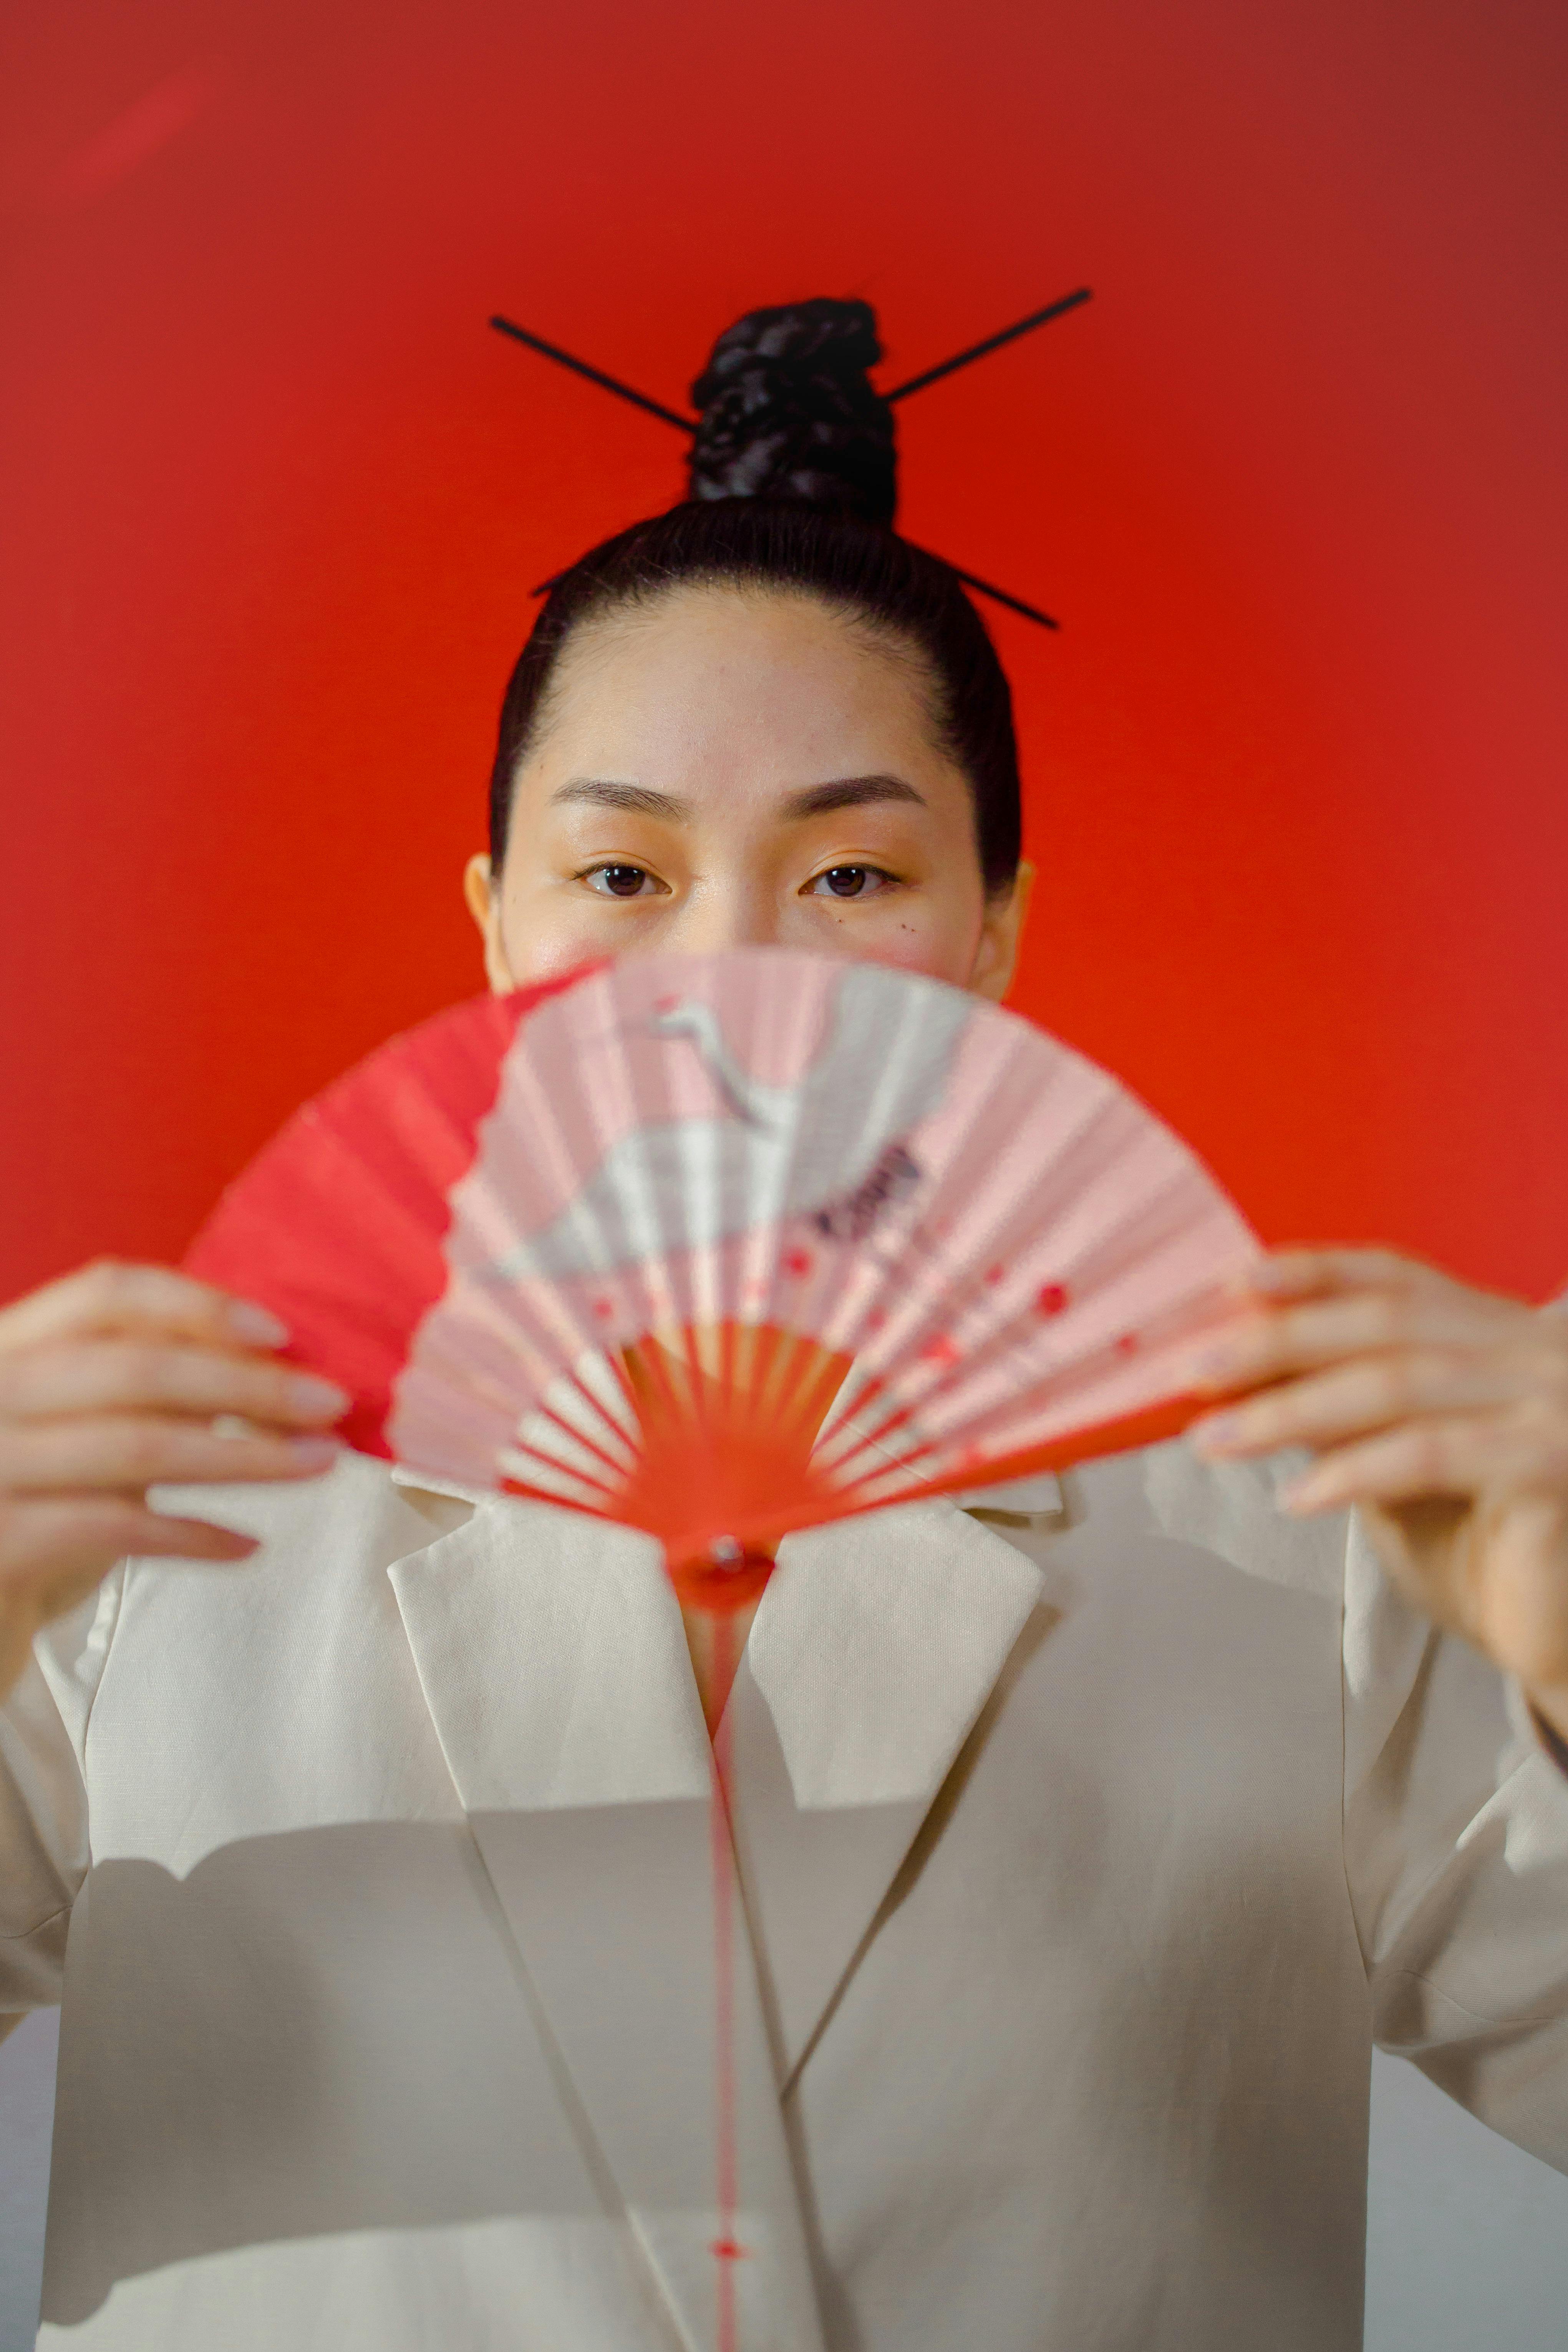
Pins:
<point x="723" y="1246"/>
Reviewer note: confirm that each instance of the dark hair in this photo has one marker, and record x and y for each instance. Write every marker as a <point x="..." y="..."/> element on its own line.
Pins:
<point x="793" y="487"/>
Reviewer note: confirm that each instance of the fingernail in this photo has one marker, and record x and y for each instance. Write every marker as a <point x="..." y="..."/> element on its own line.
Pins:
<point x="255" y="1324"/>
<point x="1300" y="1495"/>
<point x="314" y="1453"/>
<point x="319" y="1398"/>
<point x="1222" y="1430"/>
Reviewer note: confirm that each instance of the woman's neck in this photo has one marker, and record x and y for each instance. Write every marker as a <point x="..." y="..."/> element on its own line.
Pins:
<point x="716" y="1644"/>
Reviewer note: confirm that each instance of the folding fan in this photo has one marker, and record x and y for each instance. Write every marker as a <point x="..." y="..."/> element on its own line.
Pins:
<point x="722" y="1246"/>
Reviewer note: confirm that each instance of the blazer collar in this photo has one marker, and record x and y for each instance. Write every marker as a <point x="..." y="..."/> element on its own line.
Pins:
<point x="876" y="1644"/>
<point x="552" y="1659"/>
<point x="552" y="1656"/>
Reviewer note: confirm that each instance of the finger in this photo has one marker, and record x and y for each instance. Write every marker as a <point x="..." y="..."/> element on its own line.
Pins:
<point x="1271" y="1346"/>
<point x="128" y="1375"/>
<point x="61" y="1546"/>
<point x="76" y="1538"/>
<point x="1303" y="1272"/>
<point x="1458" y="1455"/>
<point x="164" y="1537"/>
<point x="108" y="1298"/>
<point x="140" y="1450"/>
<point x="1358" y="1399"/>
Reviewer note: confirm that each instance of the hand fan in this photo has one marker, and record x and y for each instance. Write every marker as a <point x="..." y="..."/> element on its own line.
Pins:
<point x="725" y="1246"/>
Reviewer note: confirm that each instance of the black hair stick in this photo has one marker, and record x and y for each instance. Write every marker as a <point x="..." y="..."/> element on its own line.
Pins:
<point x="594" y="375"/>
<point x="991" y="344"/>
<point x="1000" y="596"/>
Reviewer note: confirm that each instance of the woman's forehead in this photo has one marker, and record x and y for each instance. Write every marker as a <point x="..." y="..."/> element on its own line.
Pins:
<point x="713" y="659"/>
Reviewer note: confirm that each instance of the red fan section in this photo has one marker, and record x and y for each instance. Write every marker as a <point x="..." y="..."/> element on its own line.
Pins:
<point x="268" y="1237"/>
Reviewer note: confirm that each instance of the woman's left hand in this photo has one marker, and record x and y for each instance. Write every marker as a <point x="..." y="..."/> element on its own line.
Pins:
<point x="1442" y="1412"/>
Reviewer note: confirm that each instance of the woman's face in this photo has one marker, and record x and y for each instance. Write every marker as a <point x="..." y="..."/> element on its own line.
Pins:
<point x="725" y="768"/>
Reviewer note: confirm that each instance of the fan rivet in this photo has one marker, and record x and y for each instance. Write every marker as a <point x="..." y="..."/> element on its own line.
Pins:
<point x="727" y="1552"/>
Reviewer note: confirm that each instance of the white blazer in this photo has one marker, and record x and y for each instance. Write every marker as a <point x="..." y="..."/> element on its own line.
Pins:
<point x="1085" y="1852"/>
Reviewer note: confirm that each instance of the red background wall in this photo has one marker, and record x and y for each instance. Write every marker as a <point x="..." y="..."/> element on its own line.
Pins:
<point x="1295" y="482"/>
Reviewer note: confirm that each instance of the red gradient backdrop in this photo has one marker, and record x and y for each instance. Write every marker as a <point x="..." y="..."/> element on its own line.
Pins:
<point x="1295" y="482"/>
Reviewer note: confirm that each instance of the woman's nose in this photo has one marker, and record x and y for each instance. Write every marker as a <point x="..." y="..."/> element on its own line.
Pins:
<point x="727" y="914"/>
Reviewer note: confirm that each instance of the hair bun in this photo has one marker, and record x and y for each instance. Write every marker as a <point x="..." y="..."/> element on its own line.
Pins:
<point x="787" y="412"/>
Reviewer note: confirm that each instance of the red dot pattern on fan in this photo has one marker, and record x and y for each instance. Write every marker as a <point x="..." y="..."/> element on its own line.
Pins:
<point x="1053" y="1298"/>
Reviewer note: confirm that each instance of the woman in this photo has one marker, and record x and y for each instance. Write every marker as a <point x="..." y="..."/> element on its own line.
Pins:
<point x="1089" y="1834"/>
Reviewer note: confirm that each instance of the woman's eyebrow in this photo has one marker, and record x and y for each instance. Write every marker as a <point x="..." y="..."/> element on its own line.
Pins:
<point x="639" y="798"/>
<point x="848" y="792"/>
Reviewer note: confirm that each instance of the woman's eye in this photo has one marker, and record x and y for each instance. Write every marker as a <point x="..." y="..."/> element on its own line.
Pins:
<point x="617" y="881"/>
<point x="849" y="882"/>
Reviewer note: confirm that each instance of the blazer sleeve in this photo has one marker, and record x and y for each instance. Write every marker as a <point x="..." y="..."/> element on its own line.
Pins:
<point x="1456" y="1828"/>
<point x="44" y="1847"/>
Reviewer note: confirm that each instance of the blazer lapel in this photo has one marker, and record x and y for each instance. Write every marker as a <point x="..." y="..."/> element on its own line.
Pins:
<point x="876" y="1647"/>
<point x="551" y="1657"/>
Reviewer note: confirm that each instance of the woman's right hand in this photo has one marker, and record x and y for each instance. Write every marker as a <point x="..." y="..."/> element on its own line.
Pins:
<point x="111" y="1380"/>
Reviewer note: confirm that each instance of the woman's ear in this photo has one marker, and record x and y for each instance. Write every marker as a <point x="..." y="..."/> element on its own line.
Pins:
<point x="1000" y="933"/>
<point x="483" y="898"/>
